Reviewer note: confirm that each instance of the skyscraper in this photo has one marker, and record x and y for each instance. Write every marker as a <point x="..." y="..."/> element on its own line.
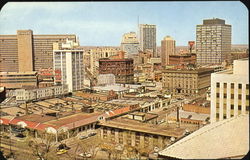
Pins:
<point x="27" y="52"/>
<point x="70" y="62"/>
<point x="167" y="48"/>
<point x="213" y="41"/>
<point x="230" y="91"/>
<point x="148" y="38"/>
<point x="129" y="44"/>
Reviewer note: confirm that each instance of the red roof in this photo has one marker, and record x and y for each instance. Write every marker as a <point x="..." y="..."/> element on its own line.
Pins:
<point x="82" y="122"/>
<point x="30" y="124"/>
<point x="4" y="121"/>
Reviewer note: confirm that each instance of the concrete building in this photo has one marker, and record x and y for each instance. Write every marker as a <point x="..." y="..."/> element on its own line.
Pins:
<point x="12" y="80"/>
<point x="96" y="97"/>
<point x="148" y="38"/>
<point x="105" y="79"/>
<point x="70" y="62"/>
<point x="230" y="91"/>
<point x="27" y="52"/>
<point x="187" y="117"/>
<point x="187" y="81"/>
<point x="131" y="132"/>
<point x="167" y="49"/>
<point x="213" y="41"/>
<point x="39" y="93"/>
<point x="130" y="44"/>
<point x="121" y="67"/>
<point x="92" y="56"/>
<point x="227" y="139"/>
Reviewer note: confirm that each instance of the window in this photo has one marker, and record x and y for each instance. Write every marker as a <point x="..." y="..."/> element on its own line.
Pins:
<point x="225" y="85"/>
<point x="240" y="86"/>
<point x="239" y="96"/>
<point x="247" y="86"/>
<point x="239" y="107"/>
<point x="218" y="85"/>
<point x="217" y="95"/>
<point x="217" y="115"/>
<point x="247" y="108"/>
<point x="225" y="95"/>
<point x="232" y="96"/>
<point x="232" y="85"/>
<point x="232" y="106"/>
<point x="247" y="97"/>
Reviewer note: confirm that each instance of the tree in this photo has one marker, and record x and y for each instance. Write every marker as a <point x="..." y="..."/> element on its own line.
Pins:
<point x="44" y="147"/>
<point x="90" y="145"/>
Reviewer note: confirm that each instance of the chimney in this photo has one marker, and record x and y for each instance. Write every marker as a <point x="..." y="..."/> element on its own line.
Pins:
<point x="178" y="117"/>
<point x="26" y="108"/>
<point x="167" y="118"/>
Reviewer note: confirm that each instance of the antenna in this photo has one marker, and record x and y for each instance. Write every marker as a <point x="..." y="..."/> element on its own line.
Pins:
<point x="138" y="20"/>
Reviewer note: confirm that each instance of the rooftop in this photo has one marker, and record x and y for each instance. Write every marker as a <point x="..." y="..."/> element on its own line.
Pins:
<point x="197" y="70"/>
<point x="190" y="115"/>
<point x="18" y="73"/>
<point x="74" y="120"/>
<point x="223" y="139"/>
<point x="128" y="124"/>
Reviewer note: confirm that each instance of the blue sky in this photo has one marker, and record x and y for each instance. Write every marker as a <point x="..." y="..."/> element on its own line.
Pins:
<point x="104" y="23"/>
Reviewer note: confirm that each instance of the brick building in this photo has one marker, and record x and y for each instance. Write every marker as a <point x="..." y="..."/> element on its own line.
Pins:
<point x="182" y="60"/>
<point x="98" y="96"/>
<point x="122" y="68"/>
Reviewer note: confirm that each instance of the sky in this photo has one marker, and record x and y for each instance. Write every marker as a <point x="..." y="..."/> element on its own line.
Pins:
<point x="104" y="23"/>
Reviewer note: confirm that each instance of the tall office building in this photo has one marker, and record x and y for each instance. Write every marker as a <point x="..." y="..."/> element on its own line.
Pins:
<point x="70" y="62"/>
<point x="213" y="41"/>
<point x="148" y="38"/>
<point x="27" y="52"/>
<point x="167" y="49"/>
<point x="230" y="91"/>
<point x="130" y="44"/>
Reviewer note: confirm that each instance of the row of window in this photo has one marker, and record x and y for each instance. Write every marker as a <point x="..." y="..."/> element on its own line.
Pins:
<point x="232" y="85"/>
<point x="232" y="96"/>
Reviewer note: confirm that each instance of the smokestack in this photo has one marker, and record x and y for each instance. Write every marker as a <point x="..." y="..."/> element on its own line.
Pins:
<point x="26" y="108"/>
<point x="178" y="117"/>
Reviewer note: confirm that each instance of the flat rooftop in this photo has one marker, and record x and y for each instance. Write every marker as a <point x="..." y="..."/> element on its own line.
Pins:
<point x="190" y="115"/>
<point x="132" y="125"/>
<point x="71" y="119"/>
<point x="219" y="140"/>
<point x="36" y="118"/>
<point x="197" y="70"/>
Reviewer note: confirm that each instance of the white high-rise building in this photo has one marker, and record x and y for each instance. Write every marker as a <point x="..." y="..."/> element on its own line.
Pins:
<point x="70" y="62"/>
<point x="230" y="91"/>
<point x="130" y="44"/>
<point x="213" y="41"/>
<point x="148" y="38"/>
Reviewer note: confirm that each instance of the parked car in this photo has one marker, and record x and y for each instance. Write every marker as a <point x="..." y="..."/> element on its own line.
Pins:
<point x="83" y="137"/>
<point x="20" y="135"/>
<point x="63" y="146"/>
<point x="61" y="151"/>
<point x="92" y="134"/>
<point x="6" y="137"/>
<point x="86" y="155"/>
